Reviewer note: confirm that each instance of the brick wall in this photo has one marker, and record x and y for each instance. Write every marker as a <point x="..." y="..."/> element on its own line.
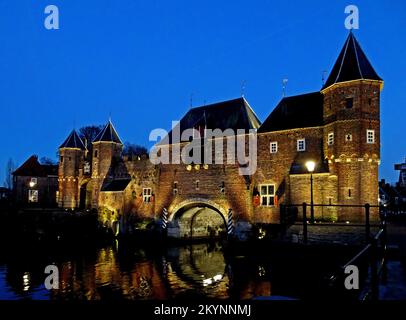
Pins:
<point x="69" y="173"/>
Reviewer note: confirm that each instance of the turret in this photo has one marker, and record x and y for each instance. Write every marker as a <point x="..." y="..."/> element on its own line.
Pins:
<point x="71" y="159"/>
<point x="107" y="147"/>
<point x="351" y="115"/>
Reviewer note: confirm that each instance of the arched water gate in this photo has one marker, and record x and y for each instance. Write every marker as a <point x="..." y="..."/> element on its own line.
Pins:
<point x="197" y="219"/>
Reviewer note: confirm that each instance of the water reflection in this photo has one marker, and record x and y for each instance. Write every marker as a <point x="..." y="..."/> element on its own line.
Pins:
<point x="122" y="272"/>
<point x="198" y="269"/>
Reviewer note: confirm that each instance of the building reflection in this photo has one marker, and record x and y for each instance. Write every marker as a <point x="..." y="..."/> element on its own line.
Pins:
<point x="119" y="272"/>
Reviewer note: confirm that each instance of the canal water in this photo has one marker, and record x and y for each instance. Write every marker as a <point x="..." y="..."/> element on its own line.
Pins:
<point x="120" y="270"/>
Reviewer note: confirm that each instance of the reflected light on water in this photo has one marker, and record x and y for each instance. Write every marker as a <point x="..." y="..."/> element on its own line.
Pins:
<point x="26" y="281"/>
<point x="122" y="272"/>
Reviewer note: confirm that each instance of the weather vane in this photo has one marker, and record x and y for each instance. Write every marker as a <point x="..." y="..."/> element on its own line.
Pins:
<point x="242" y="88"/>
<point x="284" y="84"/>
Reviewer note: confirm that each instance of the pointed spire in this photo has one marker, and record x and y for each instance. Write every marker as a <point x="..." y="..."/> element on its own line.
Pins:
<point x="352" y="64"/>
<point x="73" y="141"/>
<point x="108" y="134"/>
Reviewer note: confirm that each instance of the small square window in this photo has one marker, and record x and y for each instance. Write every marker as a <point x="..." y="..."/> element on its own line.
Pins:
<point x="274" y="147"/>
<point x="349" y="103"/>
<point x="301" y="145"/>
<point x="330" y="139"/>
<point x="370" y="136"/>
<point x="348" y="137"/>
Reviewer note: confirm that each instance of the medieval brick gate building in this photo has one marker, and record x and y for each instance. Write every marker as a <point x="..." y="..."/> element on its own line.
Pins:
<point x="338" y="128"/>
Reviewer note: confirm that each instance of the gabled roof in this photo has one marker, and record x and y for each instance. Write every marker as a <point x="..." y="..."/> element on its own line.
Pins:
<point x="302" y="111"/>
<point x="116" y="185"/>
<point x="73" y="141"/>
<point x="231" y="114"/>
<point x="32" y="168"/>
<point x="352" y="64"/>
<point x="108" y="134"/>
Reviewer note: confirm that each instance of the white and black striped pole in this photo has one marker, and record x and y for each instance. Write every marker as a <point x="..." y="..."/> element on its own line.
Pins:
<point x="230" y="224"/>
<point x="164" y="219"/>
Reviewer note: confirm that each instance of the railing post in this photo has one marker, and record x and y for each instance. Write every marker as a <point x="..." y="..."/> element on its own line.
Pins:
<point x="367" y="226"/>
<point x="304" y="223"/>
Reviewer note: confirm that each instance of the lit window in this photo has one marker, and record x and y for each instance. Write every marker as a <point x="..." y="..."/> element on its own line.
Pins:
<point x="197" y="184"/>
<point x="32" y="195"/>
<point x="146" y="194"/>
<point x="301" y="145"/>
<point x="34" y="181"/>
<point x="330" y="139"/>
<point x="274" y="147"/>
<point x="370" y="136"/>
<point x="267" y="193"/>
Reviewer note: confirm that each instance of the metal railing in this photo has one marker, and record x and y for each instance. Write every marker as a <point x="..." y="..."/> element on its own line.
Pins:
<point x="374" y="254"/>
<point x="289" y="215"/>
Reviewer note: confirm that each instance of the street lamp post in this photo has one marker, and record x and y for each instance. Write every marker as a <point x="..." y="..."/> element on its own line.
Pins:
<point x="310" y="165"/>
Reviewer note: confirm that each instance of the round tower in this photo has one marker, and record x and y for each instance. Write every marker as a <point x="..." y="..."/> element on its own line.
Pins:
<point x="107" y="147"/>
<point x="71" y="160"/>
<point x="351" y="136"/>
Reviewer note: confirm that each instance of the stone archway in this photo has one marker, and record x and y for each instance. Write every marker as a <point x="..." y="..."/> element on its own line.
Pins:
<point x="197" y="220"/>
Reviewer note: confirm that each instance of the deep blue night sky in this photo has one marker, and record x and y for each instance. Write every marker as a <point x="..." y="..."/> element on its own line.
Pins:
<point x="141" y="61"/>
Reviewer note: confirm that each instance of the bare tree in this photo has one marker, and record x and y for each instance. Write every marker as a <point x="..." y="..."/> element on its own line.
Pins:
<point x="88" y="133"/>
<point x="134" y="150"/>
<point x="10" y="167"/>
<point x="47" y="161"/>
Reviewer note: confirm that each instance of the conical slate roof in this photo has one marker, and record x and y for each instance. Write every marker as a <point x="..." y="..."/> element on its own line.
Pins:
<point x="352" y="64"/>
<point x="108" y="134"/>
<point x="73" y="141"/>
